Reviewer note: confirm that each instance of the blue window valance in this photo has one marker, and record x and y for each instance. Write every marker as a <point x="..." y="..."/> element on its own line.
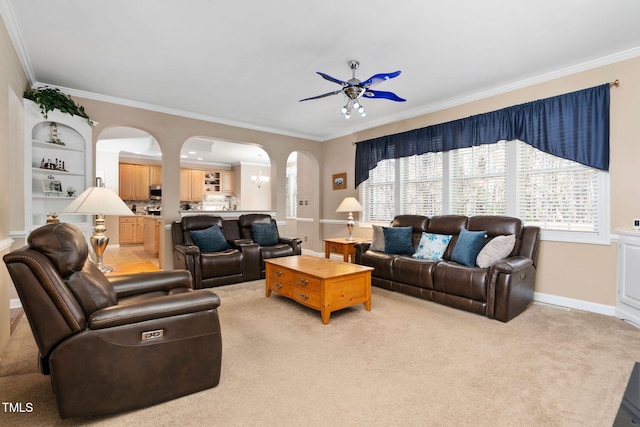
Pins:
<point x="573" y="126"/>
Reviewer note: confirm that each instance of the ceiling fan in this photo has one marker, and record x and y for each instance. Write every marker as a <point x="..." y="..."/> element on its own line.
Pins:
<point x="353" y="89"/>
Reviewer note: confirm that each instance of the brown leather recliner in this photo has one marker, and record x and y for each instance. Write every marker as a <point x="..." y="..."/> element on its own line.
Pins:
<point x="282" y="246"/>
<point x="239" y="263"/>
<point x="113" y="344"/>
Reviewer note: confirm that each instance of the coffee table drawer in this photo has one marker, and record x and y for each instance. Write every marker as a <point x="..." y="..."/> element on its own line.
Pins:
<point x="304" y="296"/>
<point x="310" y="284"/>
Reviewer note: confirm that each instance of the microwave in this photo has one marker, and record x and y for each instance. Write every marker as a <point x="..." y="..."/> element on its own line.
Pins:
<point x="155" y="192"/>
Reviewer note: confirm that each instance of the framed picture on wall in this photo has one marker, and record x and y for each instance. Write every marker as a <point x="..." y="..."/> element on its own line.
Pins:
<point x="339" y="181"/>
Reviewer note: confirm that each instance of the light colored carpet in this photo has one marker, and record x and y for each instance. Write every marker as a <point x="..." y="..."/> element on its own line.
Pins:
<point x="407" y="362"/>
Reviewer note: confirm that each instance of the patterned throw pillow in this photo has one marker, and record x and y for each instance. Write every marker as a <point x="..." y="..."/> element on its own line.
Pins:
<point x="499" y="247"/>
<point x="432" y="246"/>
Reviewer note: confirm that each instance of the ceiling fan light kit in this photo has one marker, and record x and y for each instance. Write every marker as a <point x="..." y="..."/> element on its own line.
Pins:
<point x="353" y="89"/>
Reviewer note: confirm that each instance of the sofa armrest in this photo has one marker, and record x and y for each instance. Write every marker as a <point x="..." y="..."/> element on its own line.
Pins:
<point x="250" y="258"/>
<point x="236" y="243"/>
<point x="512" y="265"/>
<point x="361" y="248"/>
<point x="156" y="308"/>
<point x="294" y="242"/>
<point x="132" y="284"/>
<point x="511" y="287"/>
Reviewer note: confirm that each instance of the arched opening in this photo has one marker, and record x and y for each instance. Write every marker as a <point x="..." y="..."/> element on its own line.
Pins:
<point x="224" y="176"/>
<point x="129" y="160"/>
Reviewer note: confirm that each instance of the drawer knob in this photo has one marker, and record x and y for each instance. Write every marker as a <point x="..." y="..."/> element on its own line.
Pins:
<point x="303" y="296"/>
<point x="278" y="286"/>
<point x="304" y="282"/>
<point x="278" y="273"/>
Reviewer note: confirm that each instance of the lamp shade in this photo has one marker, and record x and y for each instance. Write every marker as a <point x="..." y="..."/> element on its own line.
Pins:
<point x="98" y="200"/>
<point x="349" y="204"/>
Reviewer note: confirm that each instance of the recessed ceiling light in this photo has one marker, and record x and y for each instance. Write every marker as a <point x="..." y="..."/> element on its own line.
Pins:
<point x="184" y="156"/>
<point x="199" y="158"/>
<point x="192" y="152"/>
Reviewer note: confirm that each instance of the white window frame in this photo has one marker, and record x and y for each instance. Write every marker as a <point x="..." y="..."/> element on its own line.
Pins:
<point x="602" y="236"/>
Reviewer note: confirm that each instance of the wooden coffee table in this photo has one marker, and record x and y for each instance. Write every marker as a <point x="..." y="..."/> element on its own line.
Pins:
<point x="319" y="283"/>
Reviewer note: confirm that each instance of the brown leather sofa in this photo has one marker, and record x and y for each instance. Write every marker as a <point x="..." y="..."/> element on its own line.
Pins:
<point x="113" y="344"/>
<point x="239" y="263"/>
<point x="501" y="291"/>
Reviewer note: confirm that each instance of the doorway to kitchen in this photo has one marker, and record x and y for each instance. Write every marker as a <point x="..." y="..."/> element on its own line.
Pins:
<point x="130" y="162"/>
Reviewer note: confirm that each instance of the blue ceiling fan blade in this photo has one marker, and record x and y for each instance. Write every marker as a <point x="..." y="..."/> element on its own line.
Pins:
<point x="332" y="79"/>
<point x="323" y="95"/>
<point x="379" y="78"/>
<point x="382" y="94"/>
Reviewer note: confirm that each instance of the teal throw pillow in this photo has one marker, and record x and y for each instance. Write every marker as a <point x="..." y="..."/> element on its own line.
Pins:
<point x="210" y="239"/>
<point x="265" y="234"/>
<point x="468" y="247"/>
<point x="432" y="246"/>
<point x="397" y="240"/>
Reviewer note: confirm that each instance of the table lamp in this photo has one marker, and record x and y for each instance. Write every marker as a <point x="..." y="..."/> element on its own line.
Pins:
<point x="351" y="205"/>
<point x="99" y="201"/>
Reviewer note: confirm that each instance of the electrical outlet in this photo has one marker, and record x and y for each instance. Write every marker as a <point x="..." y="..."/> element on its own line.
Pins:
<point x="305" y="238"/>
<point x="636" y="224"/>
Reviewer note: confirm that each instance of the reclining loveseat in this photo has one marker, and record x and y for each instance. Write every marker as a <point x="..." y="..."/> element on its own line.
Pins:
<point x="451" y="260"/>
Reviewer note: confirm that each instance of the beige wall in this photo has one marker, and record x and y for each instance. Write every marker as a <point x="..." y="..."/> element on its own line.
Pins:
<point x="584" y="272"/>
<point x="13" y="82"/>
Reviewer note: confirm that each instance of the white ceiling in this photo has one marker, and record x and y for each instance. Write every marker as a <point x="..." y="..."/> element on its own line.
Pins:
<point x="248" y="62"/>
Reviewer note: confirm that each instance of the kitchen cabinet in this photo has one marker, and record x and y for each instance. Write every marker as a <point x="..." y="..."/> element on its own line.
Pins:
<point x="227" y="182"/>
<point x="192" y="185"/>
<point x="155" y="175"/>
<point x="131" y="230"/>
<point x="152" y="236"/>
<point x="218" y="182"/>
<point x="134" y="181"/>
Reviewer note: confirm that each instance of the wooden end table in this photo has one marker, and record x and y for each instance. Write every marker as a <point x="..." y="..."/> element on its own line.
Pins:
<point x="340" y="245"/>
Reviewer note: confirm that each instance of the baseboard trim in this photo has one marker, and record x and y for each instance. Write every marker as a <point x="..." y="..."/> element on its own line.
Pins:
<point x="14" y="303"/>
<point x="607" y="310"/>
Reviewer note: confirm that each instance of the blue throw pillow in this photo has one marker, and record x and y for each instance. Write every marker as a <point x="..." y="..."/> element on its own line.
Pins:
<point x="432" y="246"/>
<point x="397" y="240"/>
<point x="468" y="247"/>
<point x="210" y="239"/>
<point x="265" y="234"/>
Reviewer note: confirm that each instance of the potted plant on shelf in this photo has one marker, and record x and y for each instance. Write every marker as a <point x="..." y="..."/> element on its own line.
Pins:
<point x="49" y="98"/>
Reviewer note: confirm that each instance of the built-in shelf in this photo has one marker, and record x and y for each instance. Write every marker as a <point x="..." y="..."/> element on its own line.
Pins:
<point x="72" y="156"/>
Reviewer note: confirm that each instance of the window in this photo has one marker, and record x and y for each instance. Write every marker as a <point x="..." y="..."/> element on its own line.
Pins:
<point x="422" y="184"/>
<point x="377" y="195"/>
<point x="567" y="200"/>
<point x="479" y="180"/>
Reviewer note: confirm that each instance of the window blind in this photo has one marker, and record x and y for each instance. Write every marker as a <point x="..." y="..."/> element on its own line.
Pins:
<point x="555" y="193"/>
<point x="421" y="184"/>
<point x="479" y="180"/>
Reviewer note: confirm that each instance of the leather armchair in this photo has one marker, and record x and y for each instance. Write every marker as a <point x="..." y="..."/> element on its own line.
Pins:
<point x="113" y="344"/>
<point x="239" y="264"/>
<point x="285" y="247"/>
